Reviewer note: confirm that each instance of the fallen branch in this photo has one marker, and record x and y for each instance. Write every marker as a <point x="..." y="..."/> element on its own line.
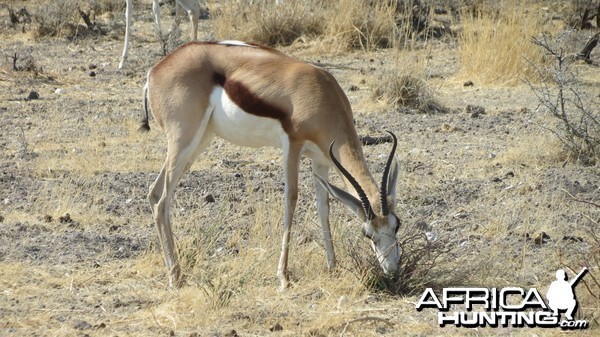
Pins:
<point x="585" y="53"/>
<point x="86" y="18"/>
<point x="368" y="140"/>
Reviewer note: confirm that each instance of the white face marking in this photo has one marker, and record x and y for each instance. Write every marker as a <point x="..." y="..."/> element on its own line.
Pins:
<point x="237" y="126"/>
<point x="235" y="43"/>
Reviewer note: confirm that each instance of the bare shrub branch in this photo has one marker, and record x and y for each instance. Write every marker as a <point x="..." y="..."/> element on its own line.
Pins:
<point x="577" y="120"/>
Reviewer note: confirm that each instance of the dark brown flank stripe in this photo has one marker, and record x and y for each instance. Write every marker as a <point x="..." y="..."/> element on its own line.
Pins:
<point x="251" y="103"/>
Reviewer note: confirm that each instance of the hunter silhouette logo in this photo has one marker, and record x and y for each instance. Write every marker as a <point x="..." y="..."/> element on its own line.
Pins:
<point x="509" y="306"/>
<point x="561" y="294"/>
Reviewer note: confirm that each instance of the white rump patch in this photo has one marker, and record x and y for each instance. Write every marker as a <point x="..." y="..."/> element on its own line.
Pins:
<point x="235" y="43"/>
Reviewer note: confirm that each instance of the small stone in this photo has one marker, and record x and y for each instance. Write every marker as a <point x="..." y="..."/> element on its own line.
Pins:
<point x="92" y="74"/>
<point x="33" y="95"/>
<point x="231" y="333"/>
<point x="571" y="238"/>
<point x="422" y="225"/>
<point x="371" y="299"/>
<point x="541" y="238"/>
<point x="65" y="218"/>
<point x="82" y="325"/>
<point x="445" y="127"/>
<point x="474" y="110"/>
<point x="100" y="326"/>
<point x="524" y="110"/>
<point x="431" y="236"/>
<point x="276" y="327"/>
<point x="468" y="84"/>
<point x="462" y="214"/>
<point x="342" y="302"/>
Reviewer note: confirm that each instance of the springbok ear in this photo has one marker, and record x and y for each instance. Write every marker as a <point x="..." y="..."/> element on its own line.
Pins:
<point x="392" y="181"/>
<point x="346" y="198"/>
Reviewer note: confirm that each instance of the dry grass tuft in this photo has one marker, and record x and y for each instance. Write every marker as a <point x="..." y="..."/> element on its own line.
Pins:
<point x="400" y="90"/>
<point x="265" y="23"/>
<point x="357" y="24"/>
<point x="58" y="18"/>
<point x="494" y="45"/>
<point x="342" y="26"/>
<point x="404" y="87"/>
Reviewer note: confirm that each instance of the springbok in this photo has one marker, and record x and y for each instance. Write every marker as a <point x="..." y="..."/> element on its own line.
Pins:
<point x="190" y="6"/>
<point x="255" y="96"/>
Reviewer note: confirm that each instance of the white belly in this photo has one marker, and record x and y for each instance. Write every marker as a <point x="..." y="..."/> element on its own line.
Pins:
<point x="235" y="125"/>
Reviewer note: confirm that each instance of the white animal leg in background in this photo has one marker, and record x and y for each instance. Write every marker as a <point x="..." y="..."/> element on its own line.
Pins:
<point x="192" y="8"/>
<point x="128" y="14"/>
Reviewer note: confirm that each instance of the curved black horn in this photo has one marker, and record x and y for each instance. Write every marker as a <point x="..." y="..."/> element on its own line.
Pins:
<point x="361" y="193"/>
<point x="384" y="180"/>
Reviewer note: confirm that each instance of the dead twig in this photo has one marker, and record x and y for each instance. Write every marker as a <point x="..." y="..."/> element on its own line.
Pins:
<point x="581" y="200"/>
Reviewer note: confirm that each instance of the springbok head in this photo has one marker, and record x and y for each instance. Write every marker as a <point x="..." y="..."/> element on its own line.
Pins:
<point x="380" y="227"/>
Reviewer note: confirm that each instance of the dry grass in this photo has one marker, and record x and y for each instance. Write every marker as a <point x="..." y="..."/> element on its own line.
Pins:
<point x="355" y="24"/>
<point x="58" y="19"/>
<point x="404" y="85"/>
<point x="265" y="23"/>
<point x="494" y="44"/>
<point x="338" y="27"/>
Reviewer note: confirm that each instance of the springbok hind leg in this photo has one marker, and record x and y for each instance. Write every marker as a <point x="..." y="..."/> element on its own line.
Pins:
<point x="291" y="161"/>
<point x="180" y="155"/>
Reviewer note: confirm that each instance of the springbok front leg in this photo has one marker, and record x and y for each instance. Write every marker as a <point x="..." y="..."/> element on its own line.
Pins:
<point x="322" y="171"/>
<point x="291" y="163"/>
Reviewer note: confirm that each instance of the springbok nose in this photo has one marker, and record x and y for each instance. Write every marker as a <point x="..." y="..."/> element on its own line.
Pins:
<point x="390" y="261"/>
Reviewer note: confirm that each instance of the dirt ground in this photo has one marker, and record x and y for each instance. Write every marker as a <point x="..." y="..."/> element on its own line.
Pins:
<point x="78" y="249"/>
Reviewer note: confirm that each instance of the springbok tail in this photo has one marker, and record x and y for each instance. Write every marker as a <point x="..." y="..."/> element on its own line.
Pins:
<point x="145" y="125"/>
